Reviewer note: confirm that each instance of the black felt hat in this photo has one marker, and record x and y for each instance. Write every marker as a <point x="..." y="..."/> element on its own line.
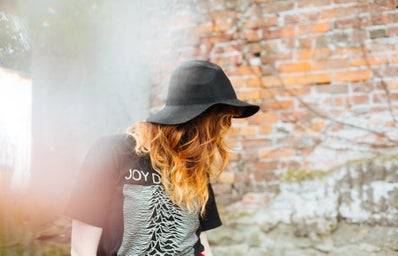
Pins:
<point x="194" y="87"/>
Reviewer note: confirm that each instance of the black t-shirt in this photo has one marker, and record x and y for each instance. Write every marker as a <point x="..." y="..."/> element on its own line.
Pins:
<point x="120" y="192"/>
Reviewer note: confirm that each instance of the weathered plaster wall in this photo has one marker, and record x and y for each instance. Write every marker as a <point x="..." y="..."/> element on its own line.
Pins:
<point x="351" y="211"/>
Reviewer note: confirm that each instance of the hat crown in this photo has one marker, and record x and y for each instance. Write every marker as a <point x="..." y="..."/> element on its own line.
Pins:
<point x="199" y="82"/>
<point x="194" y="87"/>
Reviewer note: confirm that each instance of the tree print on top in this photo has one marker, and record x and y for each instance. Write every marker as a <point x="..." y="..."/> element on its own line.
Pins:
<point x="154" y="226"/>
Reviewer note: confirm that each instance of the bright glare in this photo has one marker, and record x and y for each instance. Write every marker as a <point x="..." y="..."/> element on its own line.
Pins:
<point x="15" y="128"/>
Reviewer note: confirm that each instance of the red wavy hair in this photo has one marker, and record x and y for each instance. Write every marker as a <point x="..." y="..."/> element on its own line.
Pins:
<point x="187" y="155"/>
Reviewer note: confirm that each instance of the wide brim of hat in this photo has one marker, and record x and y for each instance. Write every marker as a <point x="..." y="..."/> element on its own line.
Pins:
<point x="179" y="114"/>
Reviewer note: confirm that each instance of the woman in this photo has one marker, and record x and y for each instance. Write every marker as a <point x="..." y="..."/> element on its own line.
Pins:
<point x="148" y="192"/>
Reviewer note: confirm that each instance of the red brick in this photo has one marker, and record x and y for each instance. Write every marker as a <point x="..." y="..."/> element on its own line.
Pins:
<point x="393" y="17"/>
<point x="253" y="48"/>
<point x="244" y="70"/>
<point x="379" y="97"/>
<point x="359" y="99"/>
<point x="370" y="60"/>
<point x="339" y="101"/>
<point x="242" y="177"/>
<point x="234" y="157"/>
<point x="352" y="75"/>
<point x="292" y="19"/>
<point x="391" y="85"/>
<point x="247" y="144"/>
<point x="243" y="131"/>
<point x="332" y="89"/>
<point x="295" y="91"/>
<point x="264" y="175"/>
<point x="278" y="33"/>
<point x="317" y="127"/>
<point x="252" y="35"/>
<point x="222" y="189"/>
<point x="278" y="105"/>
<point x="349" y="1"/>
<point x="339" y="12"/>
<point x="232" y="60"/>
<point x="224" y="20"/>
<point x="226" y="177"/>
<point x="292" y="116"/>
<point x="267" y="69"/>
<point x="233" y="142"/>
<point x="394" y="58"/>
<point x="270" y="117"/>
<point x="270" y="21"/>
<point x="277" y="153"/>
<point x="252" y="95"/>
<point x="256" y="23"/>
<point x="362" y="87"/>
<point x="290" y="165"/>
<point x="348" y="51"/>
<point x="295" y="67"/>
<point x="277" y="6"/>
<point x="264" y="117"/>
<point x="237" y="82"/>
<point x="316" y="54"/>
<point x="312" y="3"/>
<point x="378" y="47"/>
<point x="253" y="82"/>
<point x="392" y="31"/>
<point x="311" y="78"/>
<point x="394" y="98"/>
<point x="348" y="23"/>
<point x="288" y="43"/>
<point x="380" y="6"/>
<point x="257" y="176"/>
<point x="306" y="43"/>
<point x="204" y="28"/>
<point x="379" y="19"/>
<point x="332" y="64"/>
<point x="239" y="122"/>
<point x="299" y="129"/>
<point x="272" y="57"/>
<point x="253" y="23"/>
<point x="265" y="129"/>
<point x="266" y="165"/>
<point x="310" y="17"/>
<point x="231" y="48"/>
<point x="341" y="36"/>
<point x="213" y="39"/>
<point x="268" y="93"/>
<point x="314" y="28"/>
<point x="386" y="71"/>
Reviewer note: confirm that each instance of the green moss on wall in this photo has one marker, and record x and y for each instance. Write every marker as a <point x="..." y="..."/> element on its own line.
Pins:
<point x="308" y="174"/>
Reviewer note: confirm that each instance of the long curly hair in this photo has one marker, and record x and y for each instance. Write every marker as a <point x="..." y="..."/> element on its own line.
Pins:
<point x="187" y="155"/>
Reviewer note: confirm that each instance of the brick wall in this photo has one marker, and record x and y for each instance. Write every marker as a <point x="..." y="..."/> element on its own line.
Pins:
<point x="323" y="71"/>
